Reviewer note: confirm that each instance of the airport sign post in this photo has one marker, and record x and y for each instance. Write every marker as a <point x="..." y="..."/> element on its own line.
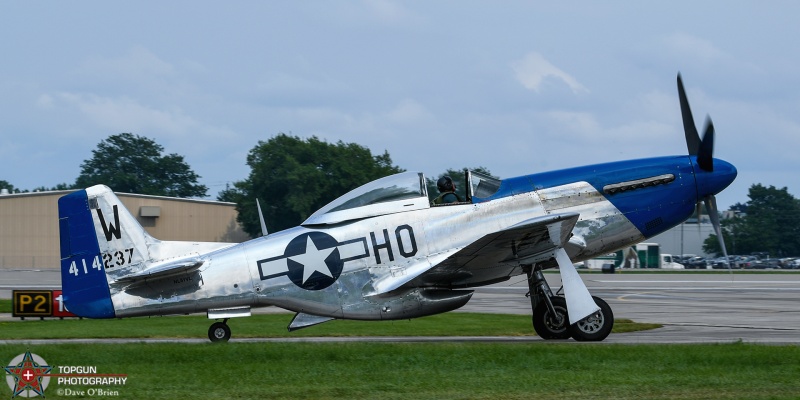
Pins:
<point x="39" y="303"/>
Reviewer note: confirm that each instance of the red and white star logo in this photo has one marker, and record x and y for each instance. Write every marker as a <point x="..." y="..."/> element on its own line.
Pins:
<point x="27" y="375"/>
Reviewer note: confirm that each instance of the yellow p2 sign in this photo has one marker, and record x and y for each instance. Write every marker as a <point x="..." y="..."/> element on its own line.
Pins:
<point x="33" y="303"/>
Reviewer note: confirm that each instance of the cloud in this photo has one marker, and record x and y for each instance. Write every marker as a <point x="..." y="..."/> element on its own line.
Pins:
<point x="284" y="86"/>
<point x="409" y="111"/>
<point x="601" y="140"/>
<point x="44" y="101"/>
<point x="580" y="124"/>
<point x="124" y="114"/>
<point x="694" y="47"/>
<point x="387" y="11"/>
<point x="375" y="14"/>
<point x="534" y="69"/>
<point x="138" y="62"/>
<point x="127" y="115"/>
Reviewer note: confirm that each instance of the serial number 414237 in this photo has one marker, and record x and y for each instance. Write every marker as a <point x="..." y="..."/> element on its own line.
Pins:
<point x="113" y="259"/>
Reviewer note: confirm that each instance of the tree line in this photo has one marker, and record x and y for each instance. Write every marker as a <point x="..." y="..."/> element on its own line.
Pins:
<point x="132" y="164"/>
<point x="294" y="177"/>
<point x="769" y="222"/>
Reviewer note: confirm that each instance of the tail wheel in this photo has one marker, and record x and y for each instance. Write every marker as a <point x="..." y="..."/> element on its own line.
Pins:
<point x="552" y="326"/>
<point x="595" y="327"/>
<point x="219" y="332"/>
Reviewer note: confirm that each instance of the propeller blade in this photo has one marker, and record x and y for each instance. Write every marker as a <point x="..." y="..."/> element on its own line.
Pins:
<point x="692" y="136"/>
<point x="705" y="155"/>
<point x="698" y="211"/>
<point x="711" y="207"/>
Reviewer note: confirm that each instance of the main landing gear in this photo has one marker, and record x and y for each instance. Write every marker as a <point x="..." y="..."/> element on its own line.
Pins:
<point x="551" y="318"/>
<point x="219" y="331"/>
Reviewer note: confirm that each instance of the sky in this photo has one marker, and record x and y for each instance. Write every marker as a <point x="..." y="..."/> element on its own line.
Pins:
<point x="517" y="87"/>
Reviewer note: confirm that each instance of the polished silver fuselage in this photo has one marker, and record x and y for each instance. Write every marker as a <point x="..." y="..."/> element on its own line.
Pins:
<point x="376" y="250"/>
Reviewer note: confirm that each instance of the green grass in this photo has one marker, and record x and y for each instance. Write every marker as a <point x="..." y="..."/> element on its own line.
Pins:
<point x="5" y="306"/>
<point x="546" y="370"/>
<point x="687" y="271"/>
<point x="274" y="325"/>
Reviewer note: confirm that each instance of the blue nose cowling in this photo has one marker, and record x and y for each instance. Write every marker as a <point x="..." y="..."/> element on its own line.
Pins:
<point x="711" y="183"/>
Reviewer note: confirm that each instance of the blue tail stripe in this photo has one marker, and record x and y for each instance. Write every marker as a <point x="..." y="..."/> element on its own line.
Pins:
<point x="63" y="226"/>
<point x="83" y="279"/>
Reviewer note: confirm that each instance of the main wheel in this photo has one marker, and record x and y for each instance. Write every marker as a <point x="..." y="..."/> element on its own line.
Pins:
<point x="550" y="326"/>
<point x="595" y="327"/>
<point x="219" y="332"/>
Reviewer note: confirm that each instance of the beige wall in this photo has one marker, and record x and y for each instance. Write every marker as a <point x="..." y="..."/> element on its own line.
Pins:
<point x="29" y="225"/>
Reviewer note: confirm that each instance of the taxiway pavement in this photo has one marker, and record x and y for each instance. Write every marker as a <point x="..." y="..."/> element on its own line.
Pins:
<point x="694" y="307"/>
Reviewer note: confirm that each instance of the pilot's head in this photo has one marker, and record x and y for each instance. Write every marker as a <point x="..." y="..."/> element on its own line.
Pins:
<point x="445" y="184"/>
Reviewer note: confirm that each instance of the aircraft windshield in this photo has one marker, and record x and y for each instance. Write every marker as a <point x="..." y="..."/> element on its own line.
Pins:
<point x="392" y="194"/>
<point x="483" y="185"/>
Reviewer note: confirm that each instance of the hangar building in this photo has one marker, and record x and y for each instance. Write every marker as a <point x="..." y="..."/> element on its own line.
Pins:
<point x="29" y="237"/>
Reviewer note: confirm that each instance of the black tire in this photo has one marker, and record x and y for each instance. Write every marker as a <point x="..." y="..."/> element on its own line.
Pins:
<point x="549" y="326"/>
<point x="595" y="327"/>
<point x="219" y="332"/>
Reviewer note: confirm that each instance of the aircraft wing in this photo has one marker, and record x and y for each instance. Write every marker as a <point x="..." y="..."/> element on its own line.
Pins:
<point x="493" y="257"/>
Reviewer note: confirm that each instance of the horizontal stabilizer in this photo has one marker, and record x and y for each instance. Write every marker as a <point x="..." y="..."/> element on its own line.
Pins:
<point x="164" y="270"/>
<point x="302" y="320"/>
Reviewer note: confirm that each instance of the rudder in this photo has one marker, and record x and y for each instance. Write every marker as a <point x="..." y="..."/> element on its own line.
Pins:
<point x="83" y="280"/>
<point x="100" y="242"/>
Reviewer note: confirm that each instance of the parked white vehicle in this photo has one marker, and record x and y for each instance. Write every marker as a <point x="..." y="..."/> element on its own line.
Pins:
<point x="668" y="263"/>
<point x="642" y="255"/>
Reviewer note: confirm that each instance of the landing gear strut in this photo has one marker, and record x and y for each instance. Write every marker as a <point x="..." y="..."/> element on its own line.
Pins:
<point x="219" y="331"/>
<point x="551" y="318"/>
<point x="552" y="324"/>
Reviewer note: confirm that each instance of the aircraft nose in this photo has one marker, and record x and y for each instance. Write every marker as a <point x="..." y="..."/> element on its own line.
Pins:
<point x="711" y="183"/>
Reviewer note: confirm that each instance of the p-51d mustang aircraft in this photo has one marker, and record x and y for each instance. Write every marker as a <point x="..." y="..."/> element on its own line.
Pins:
<point x="383" y="252"/>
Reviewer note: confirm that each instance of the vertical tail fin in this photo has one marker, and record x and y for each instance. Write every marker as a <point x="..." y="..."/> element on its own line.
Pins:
<point x="100" y="240"/>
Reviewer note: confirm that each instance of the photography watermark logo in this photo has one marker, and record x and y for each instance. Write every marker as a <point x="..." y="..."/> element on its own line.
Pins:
<point x="28" y="375"/>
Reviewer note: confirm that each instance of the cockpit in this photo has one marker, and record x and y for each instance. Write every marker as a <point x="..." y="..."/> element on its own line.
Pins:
<point x="397" y="193"/>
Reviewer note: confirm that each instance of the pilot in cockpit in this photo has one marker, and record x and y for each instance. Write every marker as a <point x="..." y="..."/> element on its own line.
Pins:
<point x="447" y="191"/>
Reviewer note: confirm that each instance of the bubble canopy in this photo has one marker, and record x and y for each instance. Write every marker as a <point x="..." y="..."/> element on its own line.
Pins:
<point x="397" y="193"/>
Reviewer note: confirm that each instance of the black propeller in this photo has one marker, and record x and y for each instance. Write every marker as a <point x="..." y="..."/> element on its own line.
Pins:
<point x="692" y="137"/>
<point x="704" y="150"/>
<point x="706" y="153"/>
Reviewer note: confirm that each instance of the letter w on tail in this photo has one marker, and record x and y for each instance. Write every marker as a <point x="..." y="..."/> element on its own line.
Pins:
<point x="112" y="228"/>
